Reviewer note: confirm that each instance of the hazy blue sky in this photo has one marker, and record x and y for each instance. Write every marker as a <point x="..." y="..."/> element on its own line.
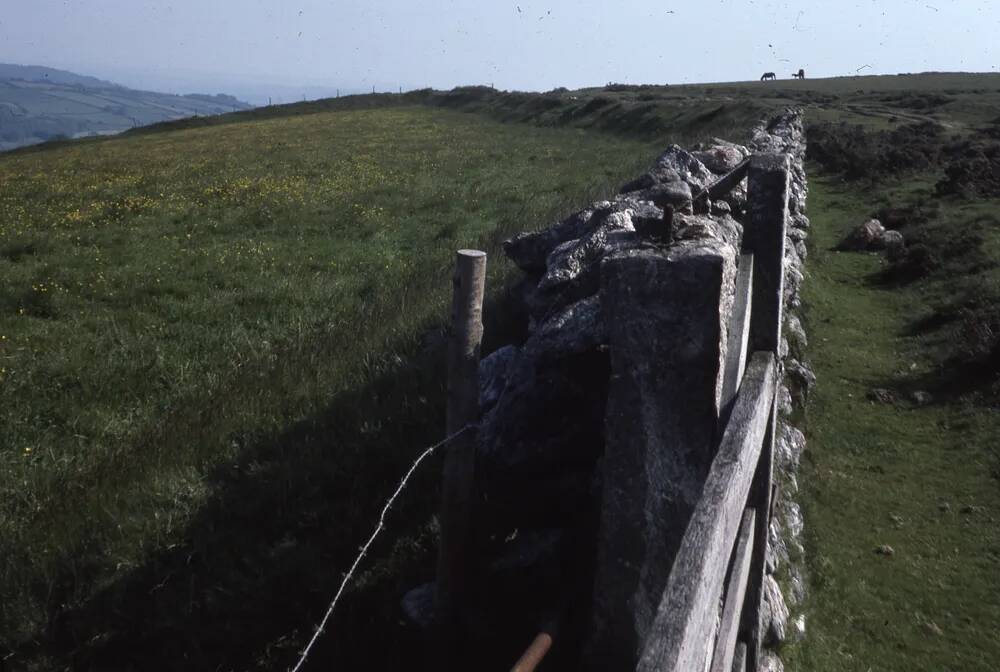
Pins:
<point x="522" y="44"/>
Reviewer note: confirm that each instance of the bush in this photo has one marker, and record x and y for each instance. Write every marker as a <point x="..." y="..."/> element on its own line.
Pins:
<point x="974" y="171"/>
<point x="918" y="101"/>
<point x="979" y="334"/>
<point x="910" y="215"/>
<point x="918" y="262"/>
<point x="977" y="345"/>
<point x="861" y="154"/>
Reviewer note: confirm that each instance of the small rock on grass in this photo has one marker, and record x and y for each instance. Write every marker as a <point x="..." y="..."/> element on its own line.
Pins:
<point x="932" y="628"/>
<point x="867" y="236"/>
<point x="895" y="248"/>
<point x="771" y="663"/>
<point x="886" y="550"/>
<point x="882" y="395"/>
<point x="894" y="243"/>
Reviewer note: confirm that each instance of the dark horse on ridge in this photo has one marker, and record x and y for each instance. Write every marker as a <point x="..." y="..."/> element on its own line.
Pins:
<point x="768" y="75"/>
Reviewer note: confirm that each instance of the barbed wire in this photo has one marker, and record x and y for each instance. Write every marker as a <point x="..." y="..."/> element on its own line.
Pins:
<point x="364" y="549"/>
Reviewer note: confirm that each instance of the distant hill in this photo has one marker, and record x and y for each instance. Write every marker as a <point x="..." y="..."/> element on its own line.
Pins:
<point x="39" y="104"/>
<point x="38" y="73"/>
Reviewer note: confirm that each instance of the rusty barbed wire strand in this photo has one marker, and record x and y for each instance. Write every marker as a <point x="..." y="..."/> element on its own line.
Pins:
<point x="364" y="549"/>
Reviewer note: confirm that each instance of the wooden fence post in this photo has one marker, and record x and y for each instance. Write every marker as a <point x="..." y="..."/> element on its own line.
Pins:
<point x="466" y="335"/>
<point x="465" y="338"/>
<point x="768" y="181"/>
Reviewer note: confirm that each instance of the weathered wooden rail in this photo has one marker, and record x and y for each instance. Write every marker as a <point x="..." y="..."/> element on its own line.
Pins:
<point x="709" y="617"/>
<point x="728" y="532"/>
<point x="720" y="536"/>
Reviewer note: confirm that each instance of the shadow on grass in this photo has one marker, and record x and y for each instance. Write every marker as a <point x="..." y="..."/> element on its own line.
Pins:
<point x="930" y="323"/>
<point x="956" y="374"/>
<point x="266" y="553"/>
<point x="961" y="325"/>
<point x="973" y="380"/>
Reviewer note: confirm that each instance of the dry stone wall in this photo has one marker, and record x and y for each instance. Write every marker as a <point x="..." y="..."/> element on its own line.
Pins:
<point x="598" y="431"/>
<point x="785" y="134"/>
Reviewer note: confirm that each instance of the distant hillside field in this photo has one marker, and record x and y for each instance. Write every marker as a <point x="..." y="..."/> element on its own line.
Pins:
<point x="954" y="100"/>
<point x="37" y="73"/>
<point x="39" y="104"/>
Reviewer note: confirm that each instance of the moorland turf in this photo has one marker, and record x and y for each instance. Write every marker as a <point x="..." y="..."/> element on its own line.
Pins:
<point x="923" y="480"/>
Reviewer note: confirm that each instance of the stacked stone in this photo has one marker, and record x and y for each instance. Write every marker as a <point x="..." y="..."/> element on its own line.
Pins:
<point x="785" y="134"/>
<point x="562" y="292"/>
<point x="629" y="301"/>
<point x="546" y="417"/>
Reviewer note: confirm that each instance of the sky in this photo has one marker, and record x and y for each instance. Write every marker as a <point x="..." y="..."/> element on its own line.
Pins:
<point x="313" y="47"/>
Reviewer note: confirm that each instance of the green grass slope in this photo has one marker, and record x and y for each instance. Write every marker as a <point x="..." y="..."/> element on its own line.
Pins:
<point x="921" y="479"/>
<point x="214" y="360"/>
<point x="883" y="470"/>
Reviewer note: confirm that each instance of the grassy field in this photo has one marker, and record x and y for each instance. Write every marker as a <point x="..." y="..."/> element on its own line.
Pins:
<point x="220" y="345"/>
<point x="924" y="480"/>
<point x="197" y="332"/>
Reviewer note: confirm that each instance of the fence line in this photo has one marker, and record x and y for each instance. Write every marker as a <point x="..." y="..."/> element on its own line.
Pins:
<point x="723" y="551"/>
<point x="686" y="632"/>
<point x="683" y="631"/>
<point x="378" y="529"/>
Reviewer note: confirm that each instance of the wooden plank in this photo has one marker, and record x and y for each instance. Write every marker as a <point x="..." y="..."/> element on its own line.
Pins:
<point x="725" y="642"/>
<point x="751" y="628"/>
<point x="707" y="663"/>
<point x="739" y="335"/>
<point x="764" y="235"/>
<point x="724" y="184"/>
<point x="535" y="654"/>
<point x="740" y="658"/>
<point x="463" y="409"/>
<point x="680" y="639"/>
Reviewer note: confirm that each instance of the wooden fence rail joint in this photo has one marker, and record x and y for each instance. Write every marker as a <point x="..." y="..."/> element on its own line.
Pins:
<point x="681" y="638"/>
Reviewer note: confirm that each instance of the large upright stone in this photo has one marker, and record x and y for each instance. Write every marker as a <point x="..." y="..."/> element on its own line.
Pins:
<point x="666" y="314"/>
<point x="764" y="235"/>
